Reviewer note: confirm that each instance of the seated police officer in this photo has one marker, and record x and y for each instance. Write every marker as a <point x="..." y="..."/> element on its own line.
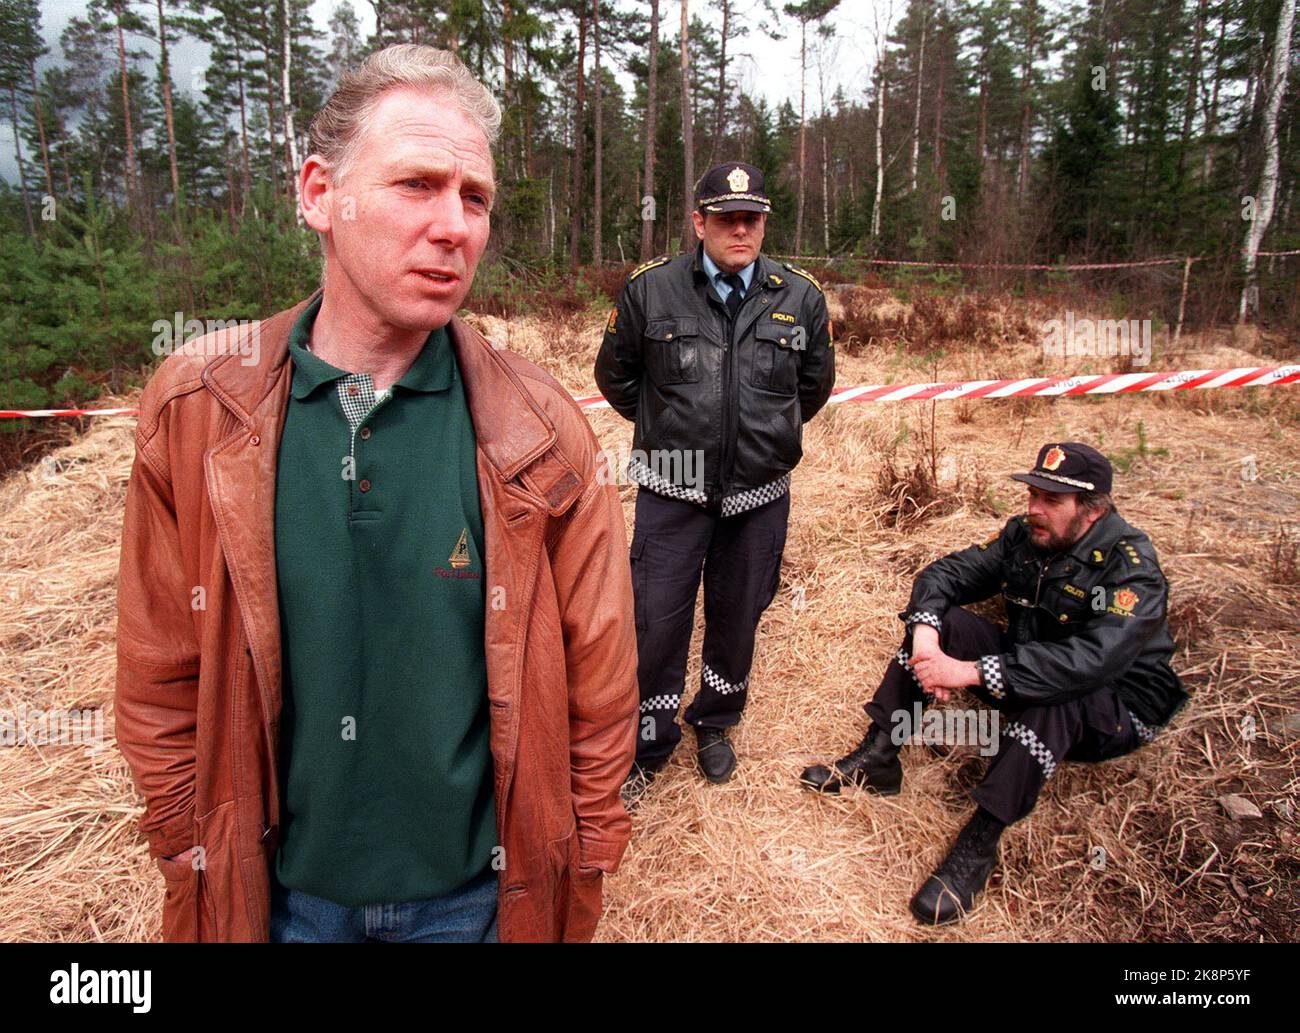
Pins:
<point x="720" y="356"/>
<point x="1081" y="673"/>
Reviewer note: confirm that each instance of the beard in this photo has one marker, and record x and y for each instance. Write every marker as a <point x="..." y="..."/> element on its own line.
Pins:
<point x="1059" y="543"/>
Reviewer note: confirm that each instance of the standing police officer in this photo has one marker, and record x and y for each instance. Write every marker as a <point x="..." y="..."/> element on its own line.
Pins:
<point x="719" y="357"/>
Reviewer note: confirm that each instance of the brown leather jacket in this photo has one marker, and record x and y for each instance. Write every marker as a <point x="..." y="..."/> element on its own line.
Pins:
<point x="198" y="641"/>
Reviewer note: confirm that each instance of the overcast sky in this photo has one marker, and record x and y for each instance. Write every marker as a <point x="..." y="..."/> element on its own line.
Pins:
<point x="764" y="66"/>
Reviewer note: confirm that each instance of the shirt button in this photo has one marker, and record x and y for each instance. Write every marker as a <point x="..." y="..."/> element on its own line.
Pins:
<point x="352" y="390"/>
<point x="365" y="433"/>
<point x="364" y="485"/>
<point x="255" y="440"/>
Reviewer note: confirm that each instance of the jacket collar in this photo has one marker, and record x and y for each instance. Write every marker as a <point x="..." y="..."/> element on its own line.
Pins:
<point x="767" y="273"/>
<point x="511" y="428"/>
<point x="1100" y="539"/>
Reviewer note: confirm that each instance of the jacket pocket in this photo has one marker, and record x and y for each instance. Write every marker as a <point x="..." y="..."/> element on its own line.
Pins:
<point x="579" y="892"/>
<point x="776" y="361"/>
<point x="672" y="349"/>
<point x="180" y="910"/>
<point x="638" y="581"/>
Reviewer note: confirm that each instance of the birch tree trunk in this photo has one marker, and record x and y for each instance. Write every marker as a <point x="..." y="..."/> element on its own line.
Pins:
<point x="1267" y="193"/>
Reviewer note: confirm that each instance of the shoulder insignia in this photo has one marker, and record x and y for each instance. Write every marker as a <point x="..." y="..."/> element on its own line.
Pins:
<point x="612" y="325"/>
<point x="991" y="539"/>
<point x="1126" y="599"/>
<point x="1131" y="553"/>
<point x="645" y="266"/>
<point x="775" y="280"/>
<point x="1098" y="556"/>
<point x="807" y="276"/>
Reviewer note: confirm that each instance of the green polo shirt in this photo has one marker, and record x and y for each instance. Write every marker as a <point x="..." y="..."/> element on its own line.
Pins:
<point x="386" y="774"/>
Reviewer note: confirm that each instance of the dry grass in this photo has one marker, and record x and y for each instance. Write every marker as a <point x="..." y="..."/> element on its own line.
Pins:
<point x="759" y="858"/>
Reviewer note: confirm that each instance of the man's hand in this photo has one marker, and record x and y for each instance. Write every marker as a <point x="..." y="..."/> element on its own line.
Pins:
<point x="940" y="674"/>
<point x="184" y="855"/>
<point x="925" y="641"/>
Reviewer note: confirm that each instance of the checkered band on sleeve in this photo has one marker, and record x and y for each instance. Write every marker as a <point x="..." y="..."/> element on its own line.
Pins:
<point x="922" y="617"/>
<point x="990" y="668"/>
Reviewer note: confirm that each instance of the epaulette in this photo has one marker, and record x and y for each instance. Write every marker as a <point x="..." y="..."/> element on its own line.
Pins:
<point x="807" y="276"/>
<point x="1130" y="552"/>
<point x="647" y="265"/>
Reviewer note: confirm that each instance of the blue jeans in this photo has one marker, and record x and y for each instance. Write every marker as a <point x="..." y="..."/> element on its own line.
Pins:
<point x="465" y="915"/>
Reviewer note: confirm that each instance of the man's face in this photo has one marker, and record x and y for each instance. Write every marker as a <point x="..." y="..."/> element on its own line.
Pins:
<point x="731" y="239"/>
<point x="407" y="227"/>
<point x="1056" y="520"/>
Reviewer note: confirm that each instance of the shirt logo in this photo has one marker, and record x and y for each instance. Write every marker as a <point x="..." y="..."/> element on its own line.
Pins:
<point x="738" y="180"/>
<point x="460" y="554"/>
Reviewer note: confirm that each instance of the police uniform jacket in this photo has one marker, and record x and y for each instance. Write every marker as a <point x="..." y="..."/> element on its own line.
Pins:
<point x="672" y="361"/>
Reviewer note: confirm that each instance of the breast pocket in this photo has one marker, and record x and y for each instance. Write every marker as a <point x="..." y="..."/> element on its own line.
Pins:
<point x="672" y="350"/>
<point x="1068" y="607"/>
<point x="776" y="356"/>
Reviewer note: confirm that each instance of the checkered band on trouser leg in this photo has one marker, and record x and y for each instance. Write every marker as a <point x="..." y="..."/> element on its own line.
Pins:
<point x="962" y="634"/>
<point x="1146" y="733"/>
<point x="741" y="576"/>
<point x="1031" y="744"/>
<point x="667" y="556"/>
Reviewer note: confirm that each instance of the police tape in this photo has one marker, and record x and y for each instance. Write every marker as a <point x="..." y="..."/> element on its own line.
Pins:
<point x="942" y="391"/>
<point x="1078" y="384"/>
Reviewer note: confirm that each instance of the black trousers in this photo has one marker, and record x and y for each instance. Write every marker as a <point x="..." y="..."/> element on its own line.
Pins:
<point x="1032" y="741"/>
<point x="739" y="557"/>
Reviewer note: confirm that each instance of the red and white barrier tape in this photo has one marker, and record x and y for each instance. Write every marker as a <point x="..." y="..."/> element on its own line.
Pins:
<point x="1078" y="384"/>
<point x="1057" y="267"/>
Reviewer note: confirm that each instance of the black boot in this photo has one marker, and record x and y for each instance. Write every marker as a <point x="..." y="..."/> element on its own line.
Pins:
<point x="948" y="894"/>
<point x="716" y="757"/>
<point x="873" y="766"/>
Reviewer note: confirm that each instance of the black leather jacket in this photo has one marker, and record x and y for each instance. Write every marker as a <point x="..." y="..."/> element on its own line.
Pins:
<point x="1077" y="620"/>
<point x="672" y="361"/>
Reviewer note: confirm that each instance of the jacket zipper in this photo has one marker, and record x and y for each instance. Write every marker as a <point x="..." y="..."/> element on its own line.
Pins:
<point x="729" y="402"/>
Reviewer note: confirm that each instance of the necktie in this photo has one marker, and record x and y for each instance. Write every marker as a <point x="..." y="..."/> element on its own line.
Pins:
<point x="737" y="294"/>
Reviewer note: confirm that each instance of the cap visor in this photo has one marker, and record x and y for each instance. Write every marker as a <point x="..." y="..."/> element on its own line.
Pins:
<point x="1045" y="484"/>
<point x="734" y="206"/>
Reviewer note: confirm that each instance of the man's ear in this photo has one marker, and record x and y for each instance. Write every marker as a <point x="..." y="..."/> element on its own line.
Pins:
<point x="698" y="221"/>
<point x="316" y="193"/>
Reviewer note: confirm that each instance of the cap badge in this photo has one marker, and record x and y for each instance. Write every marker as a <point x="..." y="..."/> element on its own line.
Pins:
<point x="1054" y="458"/>
<point x="738" y="180"/>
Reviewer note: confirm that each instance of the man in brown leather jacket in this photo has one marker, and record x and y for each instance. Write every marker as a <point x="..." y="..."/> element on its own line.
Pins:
<point x="376" y="649"/>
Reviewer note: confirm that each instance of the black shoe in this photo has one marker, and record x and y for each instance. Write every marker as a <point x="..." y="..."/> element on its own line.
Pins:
<point x="947" y="895"/>
<point x="873" y="766"/>
<point x="716" y="757"/>
<point x="635" y="785"/>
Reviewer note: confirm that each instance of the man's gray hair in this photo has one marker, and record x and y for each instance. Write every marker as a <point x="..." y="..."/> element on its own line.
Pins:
<point x="335" y="133"/>
<point x="1096" y="500"/>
